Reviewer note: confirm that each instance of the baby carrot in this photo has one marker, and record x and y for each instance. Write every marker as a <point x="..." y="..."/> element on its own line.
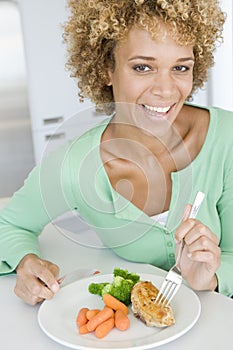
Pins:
<point x="104" y="328"/>
<point x="122" y="321"/>
<point x="102" y="316"/>
<point x="114" y="303"/>
<point x="83" y="329"/>
<point x="91" y="313"/>
<point x="81" y="318"/>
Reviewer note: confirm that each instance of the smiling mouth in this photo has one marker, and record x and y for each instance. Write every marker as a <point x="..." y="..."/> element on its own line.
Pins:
<point x="157" y="109"/>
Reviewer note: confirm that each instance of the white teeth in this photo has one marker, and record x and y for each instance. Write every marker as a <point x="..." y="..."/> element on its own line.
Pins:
<point x="158" y="109"/>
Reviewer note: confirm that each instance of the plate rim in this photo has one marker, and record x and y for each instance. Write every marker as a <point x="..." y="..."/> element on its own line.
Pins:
<point x="143" y="276"/>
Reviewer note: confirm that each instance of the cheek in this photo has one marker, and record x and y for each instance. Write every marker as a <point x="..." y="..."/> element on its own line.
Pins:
<point x="186" y="87"/>
<point x="126" y="90"/>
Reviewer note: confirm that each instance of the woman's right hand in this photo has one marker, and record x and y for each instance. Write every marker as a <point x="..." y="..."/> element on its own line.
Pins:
<point x="36" y="279"/>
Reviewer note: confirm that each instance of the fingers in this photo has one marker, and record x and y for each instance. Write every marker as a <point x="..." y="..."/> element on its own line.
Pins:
<point x="36" y="279"/>
<point x="191" y="230"/>
<point x="201" y="253"/>
<point x="48" y="274"/>
<point x="201" y="244"/>
<point x="32" y="291"/>
<point x="186" y="212"/>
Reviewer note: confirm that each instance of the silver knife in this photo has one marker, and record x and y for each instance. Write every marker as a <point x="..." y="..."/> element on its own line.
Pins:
<point x="76" y="275"/>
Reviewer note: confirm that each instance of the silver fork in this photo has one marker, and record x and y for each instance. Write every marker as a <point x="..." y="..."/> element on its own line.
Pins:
<point x="173" y="279"/>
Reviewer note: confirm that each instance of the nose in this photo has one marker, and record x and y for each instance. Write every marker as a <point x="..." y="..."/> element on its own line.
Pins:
<point x="163" y="84"/>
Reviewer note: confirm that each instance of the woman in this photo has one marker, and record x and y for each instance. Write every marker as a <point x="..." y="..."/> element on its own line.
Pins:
<point x="132" y="176"/>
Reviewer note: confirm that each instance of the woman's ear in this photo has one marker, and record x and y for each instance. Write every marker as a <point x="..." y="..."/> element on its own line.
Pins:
<point x="109" y="82"/>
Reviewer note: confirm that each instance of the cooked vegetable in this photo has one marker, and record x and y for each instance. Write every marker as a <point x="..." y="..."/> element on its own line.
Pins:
<point x="116" y="297"/>
<point x="114" y="303"/>
<point x="104" y="328"/>
<point x="83" y="329"/>
<point x="96" y="288"/>
<point x="120" y="288"/>
<point x="122" y="321"/>
<point x="126" y="275"/>
<point x="102" y="316"/>
<point x="81" y="317"/>
<point x="92" y="313"/>
<point x="102" y="321"/>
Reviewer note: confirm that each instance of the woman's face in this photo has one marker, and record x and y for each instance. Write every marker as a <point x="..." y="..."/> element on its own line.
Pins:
<point x="154" y="75"/>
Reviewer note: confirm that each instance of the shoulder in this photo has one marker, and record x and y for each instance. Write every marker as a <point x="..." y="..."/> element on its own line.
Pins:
<point x="218" y="131"/>
<point x="221" y="118"/>
<point x="79" y="147"/>
<point x="73" y="150"/>
<point x="217" y="111"/>
<point x="221" y="133"/>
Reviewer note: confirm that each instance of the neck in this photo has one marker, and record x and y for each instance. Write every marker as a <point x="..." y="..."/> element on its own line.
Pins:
<point x="155" y="141"/>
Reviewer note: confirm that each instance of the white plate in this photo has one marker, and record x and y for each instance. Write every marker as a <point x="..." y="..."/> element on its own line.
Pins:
<point x="57" y="318"/>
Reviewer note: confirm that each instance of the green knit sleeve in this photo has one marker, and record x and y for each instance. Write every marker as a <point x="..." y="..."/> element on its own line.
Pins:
<point x="37" y="203"/>
<point x="225" y="209"/>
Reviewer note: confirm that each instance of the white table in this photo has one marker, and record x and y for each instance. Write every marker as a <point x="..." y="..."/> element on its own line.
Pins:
<point x="18" y="322"/>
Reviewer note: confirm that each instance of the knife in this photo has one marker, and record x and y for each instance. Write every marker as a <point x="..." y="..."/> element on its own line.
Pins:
<point x="76" y="275"/>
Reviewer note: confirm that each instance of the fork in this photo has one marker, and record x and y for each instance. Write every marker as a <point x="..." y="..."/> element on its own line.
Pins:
<point x="173" y="279"/>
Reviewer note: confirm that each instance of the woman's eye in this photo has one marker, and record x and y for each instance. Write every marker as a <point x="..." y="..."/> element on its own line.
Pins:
<point x="141" y="68"/>
<point x="181" y="68"/>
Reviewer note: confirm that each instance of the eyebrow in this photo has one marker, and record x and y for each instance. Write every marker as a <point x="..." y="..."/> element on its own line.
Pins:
<point x="185" y="59"/>
<point x="148" y="58"/>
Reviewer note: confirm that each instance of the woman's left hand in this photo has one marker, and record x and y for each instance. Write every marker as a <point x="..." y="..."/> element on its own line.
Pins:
<point x="200" y="257"/>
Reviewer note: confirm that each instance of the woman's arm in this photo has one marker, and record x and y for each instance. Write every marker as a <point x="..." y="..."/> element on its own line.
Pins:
<point x="38" y="202"/>
<point x="225" y="210"/>
<point x="203" y="249"/>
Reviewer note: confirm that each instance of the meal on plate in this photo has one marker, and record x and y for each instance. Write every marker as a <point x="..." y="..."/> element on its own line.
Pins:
<point x="143" y="297"/>
<point x="125" y="288"/>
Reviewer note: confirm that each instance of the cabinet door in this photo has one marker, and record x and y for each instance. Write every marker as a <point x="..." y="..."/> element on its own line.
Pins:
<point x="54" y="135"/>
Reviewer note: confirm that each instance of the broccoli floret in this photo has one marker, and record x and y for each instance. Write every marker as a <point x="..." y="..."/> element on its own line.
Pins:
<point x="96" y="288"/>
<point x="106" y="289"/>
<point x="126" y="275"/>
<point x="120" y="288"/>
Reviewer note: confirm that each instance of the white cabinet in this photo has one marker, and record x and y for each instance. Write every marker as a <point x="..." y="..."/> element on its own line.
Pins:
<point x="57" y="132"/>
<point x="53" y="95"/>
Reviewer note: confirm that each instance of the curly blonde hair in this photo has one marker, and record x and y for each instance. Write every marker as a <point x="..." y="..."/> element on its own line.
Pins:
<point x="95" y="26"/>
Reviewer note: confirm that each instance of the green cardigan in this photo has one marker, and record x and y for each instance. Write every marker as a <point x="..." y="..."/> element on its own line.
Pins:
<point x="73" y="178"/>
